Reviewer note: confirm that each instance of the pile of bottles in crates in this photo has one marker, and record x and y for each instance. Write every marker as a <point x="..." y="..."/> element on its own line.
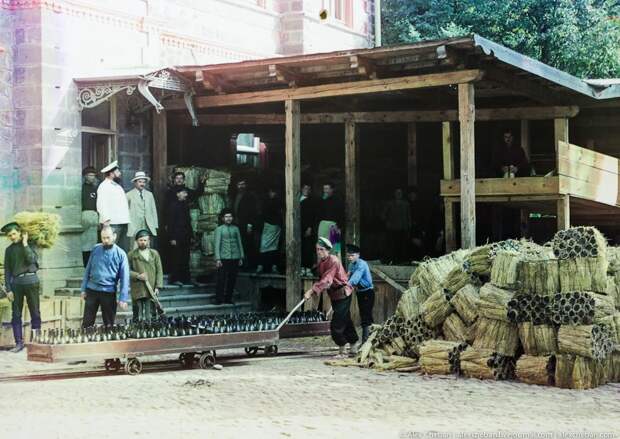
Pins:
<point x="175" y="327"/>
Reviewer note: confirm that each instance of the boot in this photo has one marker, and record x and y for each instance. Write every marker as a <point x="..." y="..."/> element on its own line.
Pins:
<point x="365" y="333"/>
<point x="353" y="348"/>
<point x="19" y="346"/>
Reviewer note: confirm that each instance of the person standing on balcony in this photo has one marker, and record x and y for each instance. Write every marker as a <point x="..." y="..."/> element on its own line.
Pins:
<point x="112" y="203"/>
<point x="509" y="159"/>
<point x="90" y="217"/>
<point x="142" y="208"/>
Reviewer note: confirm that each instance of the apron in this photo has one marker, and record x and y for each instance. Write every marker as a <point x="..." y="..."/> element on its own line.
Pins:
<point x="90" y="224"/>
<point x="270" y="238"/>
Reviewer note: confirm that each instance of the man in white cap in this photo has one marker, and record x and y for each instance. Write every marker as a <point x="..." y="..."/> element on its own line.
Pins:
<point x="142" y="208"/>
<point x="112" y="204"/>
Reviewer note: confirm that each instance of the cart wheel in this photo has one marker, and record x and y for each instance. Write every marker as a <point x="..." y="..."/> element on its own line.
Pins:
<point x="271" y="350"/>
<point x="187" y="360"/>
<point x="251" y="351"/>
<point x="113" y="364"/>
<point x="133" y="366"/>
<point x="206" y="361"/>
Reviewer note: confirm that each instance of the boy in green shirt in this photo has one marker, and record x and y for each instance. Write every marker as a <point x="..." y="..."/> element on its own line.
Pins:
<point x="228" y="257"/>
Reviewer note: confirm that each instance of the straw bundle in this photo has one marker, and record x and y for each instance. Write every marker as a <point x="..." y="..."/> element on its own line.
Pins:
<point x="42" y="227"/>
<point x="486" y="364"/>
<point x="539" y="276"/>
<point x="613" y="290"/>
<point x="511" y="245"/>
<point x="194" y="214"/>
<point x="526" y="337"/>
<point x="456" y="279"/>
<point x="589" y="373"/>
<point x="591" y="341"/>
<point x="580" y="308"/>
<point x="493" y="303"/>
<point x="431" y="273"/>
<point x="536" y="370"/>
<point x="478" y="261"/>
<point x="564" y="365"/>
<point x="217" y="182"/>
<point x="439" y="357"/>
<point x="465" y="303"/>
<point x="499" y="336"/>
<point x="207" y="243"/>
<point x="505" y="269"/>
<point x="193" y="175"/>
<point x="211" y="204"/>
<point x="435" y="309"/>
<point x="530" y="308"/>
<point x="614" y="367"/>
<point x="583" y="274"/>
<point x="454" y="329"/>
<point x="409" y="304"/>
<point x="610" y="323"/>
<point x="579" y="242"/>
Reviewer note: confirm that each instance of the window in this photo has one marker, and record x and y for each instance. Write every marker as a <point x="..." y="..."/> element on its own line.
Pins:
<point x="339" y="10"/>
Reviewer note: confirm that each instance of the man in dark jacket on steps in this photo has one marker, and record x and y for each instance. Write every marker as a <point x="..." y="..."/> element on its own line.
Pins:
<point x="179" y="228"/>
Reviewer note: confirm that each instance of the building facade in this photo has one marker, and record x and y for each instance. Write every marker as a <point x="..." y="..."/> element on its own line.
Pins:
<point x="44" y="139"/>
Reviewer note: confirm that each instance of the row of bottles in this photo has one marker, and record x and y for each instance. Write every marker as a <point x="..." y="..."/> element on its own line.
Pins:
<point x="174" y="327"/>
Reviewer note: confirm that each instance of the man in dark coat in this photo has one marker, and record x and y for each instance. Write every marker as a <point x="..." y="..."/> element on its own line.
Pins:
<point x="308" y="229"/>
<point x="509" y="159"/>
<point x="245" y="210"/>
<point x="179" y="232"/>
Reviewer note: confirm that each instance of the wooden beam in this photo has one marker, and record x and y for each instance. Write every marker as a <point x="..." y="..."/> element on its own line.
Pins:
<point x="216" y="82"/>
<point x="160" y="158"/>
<point x="484" y="114"/>
<point x="340" y="89"/>
<point x="412" y="154"/>
<point x="293" y="188"/>
<point x="363" y="66"/>
<point x="560" y="130"/>
<point x="351" y="170"/>
<point x="505" y="186"/>
<point x="449" y="231"/>
<point x="525" y="138"/>
<point x="467" y="117"/>
<point x="448" y="160"/>
<point x="563" y="206"/>
<point x="525" y="87"/>
<point x="283" y="74"/>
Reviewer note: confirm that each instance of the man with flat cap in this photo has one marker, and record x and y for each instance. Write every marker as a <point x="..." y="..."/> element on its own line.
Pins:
<point x="106" y="274"/>
<point x="21" y="281"/>
<point x="333" y="279"/>
<point x="112" y="203"/>
<point x="142" y="208"/>
<point x="361" y="279"/>
<point x="146" y="276"/>
<point x="90" y="217"/>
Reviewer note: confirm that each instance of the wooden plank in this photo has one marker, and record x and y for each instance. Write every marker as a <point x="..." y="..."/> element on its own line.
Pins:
<point x="340" y="89"/>
<point x="509" y="198"/>
<point x="352" y="201"/>
<point x="292" y="176"/>
<point x="448" y="160"/>
<point x="449" y="231"/>
<point x="525" y="138"/>
<point x="160" y="158"/>
<point x="588" y="157"/>
<point x="467" y="117"/>
<point x="586" y="173"/>
<point x="484" y="114"/>
<point x="563" y="215"/>
<point x="380" y="274"/>
<point x="412" y="154"/>
<point x="589" y="191"/>
<point x="560" y="131"/>
<point x="505" y="186"/>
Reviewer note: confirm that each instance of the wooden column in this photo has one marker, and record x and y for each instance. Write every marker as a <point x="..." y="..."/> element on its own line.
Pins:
<point x="412" y="154"/>
<point x="468" y="165"/>
<point x="293" y="221"/>
<point x="448" y="161"/>
<point x="160" y="158"/>
<point x="563" y="214"/>
<point x="449" y="231"/>
<point x="560" y="128"/>
<point x="352" y="200"/>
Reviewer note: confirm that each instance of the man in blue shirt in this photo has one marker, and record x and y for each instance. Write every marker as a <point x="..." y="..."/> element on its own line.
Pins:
<point x="361" y="279"/>
<point x="106" y="273"/>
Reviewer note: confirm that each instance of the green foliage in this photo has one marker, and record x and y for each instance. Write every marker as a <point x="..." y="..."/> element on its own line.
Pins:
<point x="581" y="37"/>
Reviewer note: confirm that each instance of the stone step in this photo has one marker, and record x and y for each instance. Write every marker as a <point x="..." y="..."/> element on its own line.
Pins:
<point x="67" y="292"/>
<point x="179" y="300"/>
<point x="74" y="282"/>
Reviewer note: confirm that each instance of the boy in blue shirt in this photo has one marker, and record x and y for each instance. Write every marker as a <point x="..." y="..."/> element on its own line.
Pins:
<point x="361" y="279"/>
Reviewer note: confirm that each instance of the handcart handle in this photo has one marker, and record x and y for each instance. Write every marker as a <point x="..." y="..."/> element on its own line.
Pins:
<point x="283" y="322"/>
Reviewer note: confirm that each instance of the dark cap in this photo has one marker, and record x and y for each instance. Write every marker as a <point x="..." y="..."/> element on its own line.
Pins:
<point x="351" y="249"/>
<point x="9" y="227"/>
<point x="89" y="170"/>
<point x="142" y="233"/>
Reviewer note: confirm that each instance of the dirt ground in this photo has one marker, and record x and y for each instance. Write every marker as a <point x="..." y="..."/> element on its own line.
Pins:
<point x="293" y="395"/>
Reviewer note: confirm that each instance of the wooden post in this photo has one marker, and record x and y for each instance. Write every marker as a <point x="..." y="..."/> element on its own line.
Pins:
<point x="560" y="128"/>
<point x="468" y="165"/>
<point x="160" y="158"/>
<point x="352" y="201"/>
<point x="449" y="232"/>
<point x="448" y="161"/>
<point x="563" y="212"/>
<point x="525" y="138"/>
<point x="293" y="223"/>
<point x="412" y="154"/>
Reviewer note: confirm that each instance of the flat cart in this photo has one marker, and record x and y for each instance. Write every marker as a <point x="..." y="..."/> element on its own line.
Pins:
<point x="203" y="346"/>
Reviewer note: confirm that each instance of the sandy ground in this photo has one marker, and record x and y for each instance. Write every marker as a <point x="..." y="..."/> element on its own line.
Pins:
<point x="294" y="395"/>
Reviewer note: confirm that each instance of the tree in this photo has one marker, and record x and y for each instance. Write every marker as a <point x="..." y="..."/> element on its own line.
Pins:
<point x="581" y="37"/>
